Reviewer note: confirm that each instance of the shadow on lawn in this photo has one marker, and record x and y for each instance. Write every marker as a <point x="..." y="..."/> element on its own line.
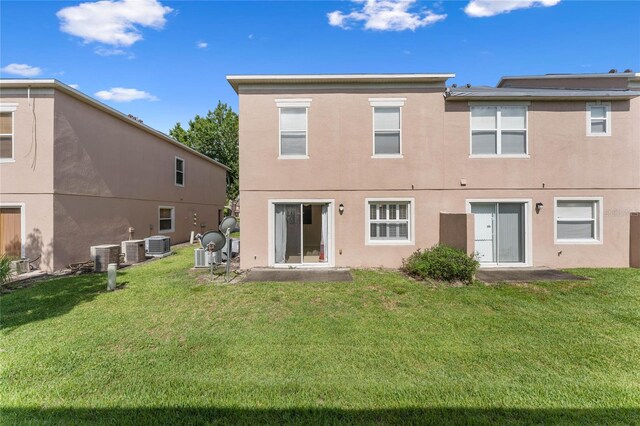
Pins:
<point x="49" y="299"/>
<point x="436" y="415"/>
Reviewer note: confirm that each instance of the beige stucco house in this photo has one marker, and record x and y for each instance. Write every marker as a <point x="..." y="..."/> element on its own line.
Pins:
<point x="361" y="170"/>
<point x="76" y="173"/>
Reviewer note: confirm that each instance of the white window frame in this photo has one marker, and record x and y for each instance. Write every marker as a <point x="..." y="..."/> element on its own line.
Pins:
<point x="598" y="228"/>
<point x="4" y="107"/>
<point x="385" y="103"/>
<point x="173" y="220"/>
<point x="607" y="119"/>
<point x="411" y="211"/>
<point x="293" y="103"/>
<point x="23" y="224"/>
<point x="176" y="171"/>
<point x="499" y="129"/>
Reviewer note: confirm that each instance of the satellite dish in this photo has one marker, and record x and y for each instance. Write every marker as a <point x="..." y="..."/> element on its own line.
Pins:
<point x="213" y="237"/>
<point x="228" y="224"/>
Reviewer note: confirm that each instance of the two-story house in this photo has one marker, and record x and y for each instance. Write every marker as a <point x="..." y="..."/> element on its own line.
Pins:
<point x="356" y="170"/>
<point x="76" y="173"/>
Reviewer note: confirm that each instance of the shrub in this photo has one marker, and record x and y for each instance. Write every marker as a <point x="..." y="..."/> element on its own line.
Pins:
<point x="441" y="263"/>
<point x="5" y="269"/>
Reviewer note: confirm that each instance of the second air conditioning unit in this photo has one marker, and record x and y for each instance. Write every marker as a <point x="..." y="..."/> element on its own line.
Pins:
<point x="134" y="251"/>
<point x="204" y="258"/>
<point x="157" y="246"/>
<point x="103" y="255"/>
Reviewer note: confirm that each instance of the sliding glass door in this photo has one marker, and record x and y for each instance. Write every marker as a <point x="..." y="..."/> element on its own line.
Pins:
<point x="500" y="232"/>
<point x="301" y="233"/>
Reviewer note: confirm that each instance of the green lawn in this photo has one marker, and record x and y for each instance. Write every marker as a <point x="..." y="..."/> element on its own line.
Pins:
<point x="170" y="349"/>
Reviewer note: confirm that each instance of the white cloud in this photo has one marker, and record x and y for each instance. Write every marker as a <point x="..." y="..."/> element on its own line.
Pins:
<point x="105" y="51"/>
<point x="121" y="94"/>
<point x="386" y="15"/>
<point x="486" y="8"/>
<point x="202" y="44"/>
<point x="75" y="86"/>
<point x="113" y="22"/>
<point x="23" y="70"/>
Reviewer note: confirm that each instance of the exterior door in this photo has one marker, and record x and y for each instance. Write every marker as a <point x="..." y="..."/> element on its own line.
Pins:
<point x="10" y="232"/>
<point x="301" y="233"/>
<point x="485" y="218"/>
<point x="499" y="232"/>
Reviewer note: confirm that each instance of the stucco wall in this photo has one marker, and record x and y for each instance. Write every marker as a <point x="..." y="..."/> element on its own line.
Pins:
<point x="350" y="226"/>
<point x="634" y="240"/>
<point x="110" y="176"/>
<point x="83" y="221"/>
<point x="28" y="182"/>
<point x="32" y="171"/>
<point x="563" y="161"/>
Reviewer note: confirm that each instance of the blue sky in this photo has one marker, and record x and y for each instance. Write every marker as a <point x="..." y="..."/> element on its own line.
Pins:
<point x="155" y="50"/>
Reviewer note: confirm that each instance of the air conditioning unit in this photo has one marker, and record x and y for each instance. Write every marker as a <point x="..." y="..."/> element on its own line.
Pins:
<point x="103" y="255"/>
<point x="235" y="249"/>
<point x="157" y="246"/>
<point x="20" y="266"/>
<point x="134" y="251"/>
<point x="204" y="258"/>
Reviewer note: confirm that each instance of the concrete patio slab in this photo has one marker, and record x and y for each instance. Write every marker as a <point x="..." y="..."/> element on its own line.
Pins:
<point x="524" y="275"/>
<point x="300" y="275"/>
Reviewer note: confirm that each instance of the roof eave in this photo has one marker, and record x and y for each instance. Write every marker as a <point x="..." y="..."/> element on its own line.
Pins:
<point x="629" y="75"/>
<point x="236" y="80"/>
<point x="537" y="98"/>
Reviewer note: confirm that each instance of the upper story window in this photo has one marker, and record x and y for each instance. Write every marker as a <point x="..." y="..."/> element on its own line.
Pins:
<point x="293" y="128"/>
<point x="389" y="221"/>
<point x="387" y="126"/>
<point x="7" y="132"/>
<point x="599" y="119"/>
<point x="179" y="172"/>
<point x="499" y="130"/>
<point x="578" y="220"/>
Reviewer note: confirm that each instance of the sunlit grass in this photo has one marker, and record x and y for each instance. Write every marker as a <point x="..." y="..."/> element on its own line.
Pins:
<point x="169" y="347"/>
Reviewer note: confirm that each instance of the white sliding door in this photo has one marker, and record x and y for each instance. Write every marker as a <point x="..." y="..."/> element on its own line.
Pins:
<point x="500" y="232"/>
<point x="300" y="233"/>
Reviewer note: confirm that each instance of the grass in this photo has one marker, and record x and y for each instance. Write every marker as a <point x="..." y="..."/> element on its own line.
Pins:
<point x="168" y="348"/>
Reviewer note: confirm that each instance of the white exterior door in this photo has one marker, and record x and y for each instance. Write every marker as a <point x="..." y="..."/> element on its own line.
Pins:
<point x="485" y="232"/>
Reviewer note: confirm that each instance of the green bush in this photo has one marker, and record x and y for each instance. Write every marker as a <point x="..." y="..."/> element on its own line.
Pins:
<point x="441" y="263"/>
<point x="5" y="269"/>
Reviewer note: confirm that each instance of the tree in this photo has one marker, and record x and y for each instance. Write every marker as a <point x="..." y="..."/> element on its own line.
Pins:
<point x="216" y="136"/>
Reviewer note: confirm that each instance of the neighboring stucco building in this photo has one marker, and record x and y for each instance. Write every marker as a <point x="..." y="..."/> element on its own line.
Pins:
<point x="76" y="173"/>
<point x="357" y="170"/>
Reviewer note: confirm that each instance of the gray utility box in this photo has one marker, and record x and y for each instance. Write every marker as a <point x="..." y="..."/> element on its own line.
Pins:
<point x="103" y="255"/>
<point x="20" y="266"/>
<point x="158" y="245"/>
<point x="134" y="251"/>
